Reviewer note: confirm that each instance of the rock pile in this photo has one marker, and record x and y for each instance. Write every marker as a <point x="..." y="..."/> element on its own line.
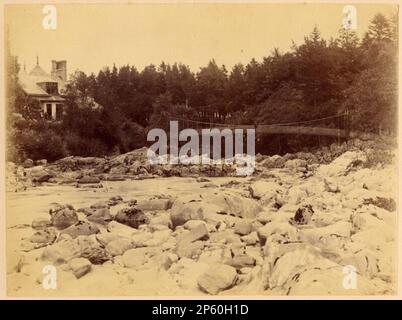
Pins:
<point x="91" y="171"/>
<point x="285" y="234"/>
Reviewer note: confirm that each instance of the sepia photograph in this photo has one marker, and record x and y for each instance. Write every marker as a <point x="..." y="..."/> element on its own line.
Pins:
<point x="200" y="149"/>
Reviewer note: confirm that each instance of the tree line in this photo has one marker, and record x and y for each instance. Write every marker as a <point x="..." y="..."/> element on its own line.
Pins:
<point x="111" y="111"/>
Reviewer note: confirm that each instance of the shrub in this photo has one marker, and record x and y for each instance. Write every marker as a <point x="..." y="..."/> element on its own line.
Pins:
<point x="77" y="145"/>
<point x="40" y="145"/>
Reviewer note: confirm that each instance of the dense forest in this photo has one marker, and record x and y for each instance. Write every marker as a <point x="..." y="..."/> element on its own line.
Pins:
<point x="315" y="79"/>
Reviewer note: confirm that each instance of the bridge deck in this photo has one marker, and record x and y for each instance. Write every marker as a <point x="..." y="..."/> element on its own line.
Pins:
<point x="298" y="130"/>
<point x="314" y="131"/>
<point x="289" y="128"/>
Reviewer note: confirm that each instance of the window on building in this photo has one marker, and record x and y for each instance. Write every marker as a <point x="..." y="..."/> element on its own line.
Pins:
<point x="50" y="87"/>
<point x="48" y="110"/>
<point x="59" y="111"/>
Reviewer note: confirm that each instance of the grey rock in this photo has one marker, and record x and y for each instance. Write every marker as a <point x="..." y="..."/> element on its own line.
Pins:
<point x="61" y="252"/>
<point x="190" y="250"/>
<point x="180" y="214"/>
<point x="63" y="216"/>
<point x="198" y="233"/>
<point x="154" y="204"/>
<point x="80" y="266"/>
<point x="28" y="163"/>
<point x="92" y="250"/>
<point x="132" y="217"/>
<point x="44" y="236"/>
<point x="99" y="215"/>
<point x="89" y="180"/>
<point x="303" y="215"/>
<point x="217" y="278"/>
<point x="242" y="260"/>
<point x="134" y="258"/>
<point x="81" y="228"/>
<point x="41" y="223"/>
<point x="41" y="162"/>
<point x="118" y="246"/>
<point x="243" y="227"/>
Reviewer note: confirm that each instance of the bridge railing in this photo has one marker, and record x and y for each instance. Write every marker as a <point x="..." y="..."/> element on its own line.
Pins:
<point x="303" y="127"/>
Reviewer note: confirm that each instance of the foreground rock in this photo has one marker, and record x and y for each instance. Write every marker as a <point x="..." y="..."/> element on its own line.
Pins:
<point x="224" y="203"/>
<point x="41" y="223"/>
<point x="217" y="278"/>
<point x="80" y="266"/>
<point x="344" y="164"/>
<point x="63" y="216"/>
<point x="132" y="217"/>
<point x="81" y="228"/>
<point x="81" y="247"/>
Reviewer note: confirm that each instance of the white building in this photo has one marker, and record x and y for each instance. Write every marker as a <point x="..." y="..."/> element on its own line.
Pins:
<point x="47" y="89"/>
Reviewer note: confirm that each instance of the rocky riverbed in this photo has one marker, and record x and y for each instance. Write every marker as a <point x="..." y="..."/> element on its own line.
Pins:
<point x="119" y="227"/>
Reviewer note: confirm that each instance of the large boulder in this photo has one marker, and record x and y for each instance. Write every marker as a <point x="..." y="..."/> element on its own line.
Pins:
<point x="39" y="174"/>
<point x="243" y="261"/>
<point x="41" y="223"/>
<point x="243" y="227"/>
<point x="190" y="243"/>
<point x="274" y="161"/>
<point x="278" y="231"/>
<point x="61" y="252"/>
<point x="92" y="250"/>
<point x="235" y="205"/>
<point x="291" y="260"/>
<point x="77" y="163"/>
<point x="44" y="236"/>
<point x="388" y="204"/>
<point x="132" y="217"/>
<point x="154" y="204"/>
<point x="41" y="162"/>
<point x="203" y="207"/>
<point x="131" y="157"/>
<point x="265" y="189"/>
<point x="80" y="266"/>
<point x="81" y="228"/>
<point x="191" y="250"/>
<point x="119" y="170"/>
<point x="328" y="237"/>
<point x="141" y="239"/>
<point x="106" y="237"/>
<point x="191" y="224"/>
<point x="241" y="207"/>
<point x="160" y="220"/>
<point x="89" y="180"/>
<point x="135" y="258"/>
<point x="296" y="165"/>
<point x="159" y="238"/>
<point x="303" y="215"/>
<point x="118" y="246"/>
<point x="181" y="213"/>
<point x="63" y="216"/>
<point x="28" y="163"/>
<point x="217" y="278"/>
<point x="115" y="200"/>
<point x="120" y="229"/>
<point x="198" y="233"/>
<point x="99" y="214"/>
<point x="344" y="164"/>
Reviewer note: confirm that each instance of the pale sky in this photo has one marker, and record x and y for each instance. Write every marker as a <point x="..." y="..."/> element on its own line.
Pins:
<point x="92" y="36"/>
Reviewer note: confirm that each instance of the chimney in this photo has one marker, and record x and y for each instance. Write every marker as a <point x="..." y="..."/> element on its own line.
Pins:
<point x="59" y="69"/>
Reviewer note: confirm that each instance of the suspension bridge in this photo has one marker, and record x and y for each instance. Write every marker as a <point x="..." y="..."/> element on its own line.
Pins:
<point x="305" y="127"/>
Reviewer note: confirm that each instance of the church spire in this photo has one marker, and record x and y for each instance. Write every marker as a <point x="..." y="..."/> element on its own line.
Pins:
<point x="37" y="60"/>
